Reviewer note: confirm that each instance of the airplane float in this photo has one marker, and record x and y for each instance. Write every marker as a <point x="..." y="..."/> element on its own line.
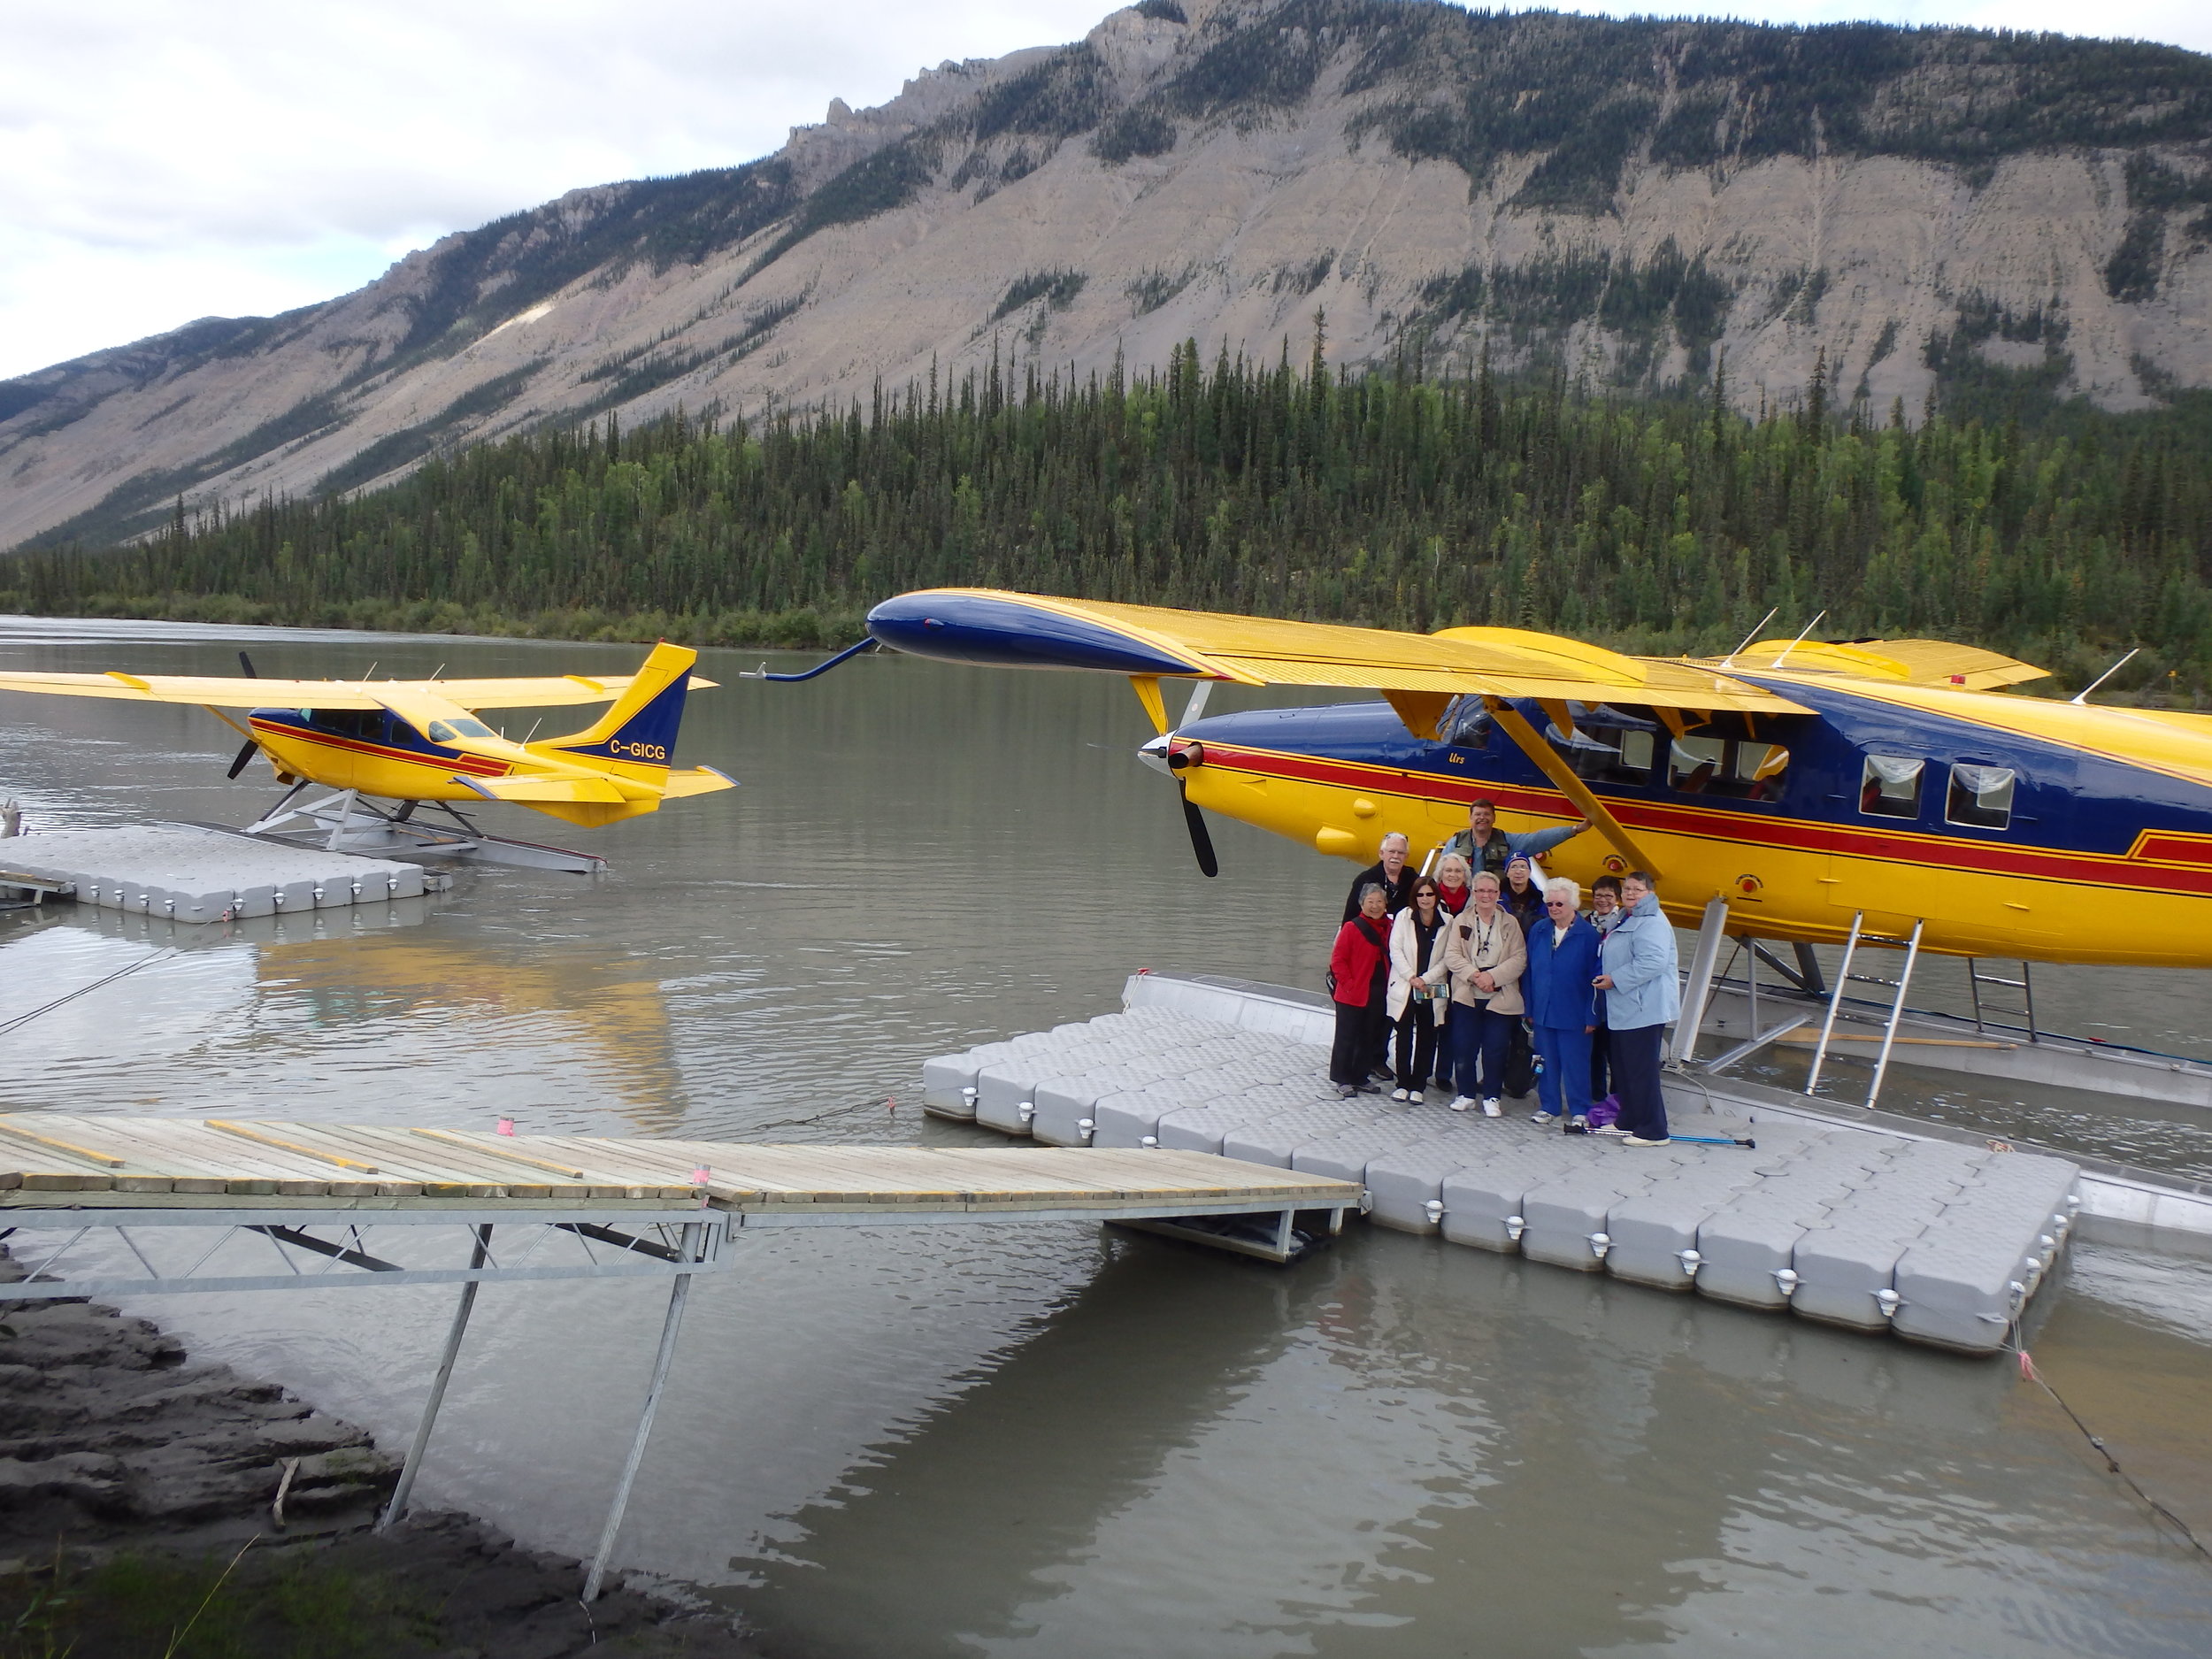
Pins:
<point x="418" y="741"/>
<point x="1875" y="791"/>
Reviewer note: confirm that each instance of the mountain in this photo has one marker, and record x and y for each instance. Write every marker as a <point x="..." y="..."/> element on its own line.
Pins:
<point x="1914" y="213"/>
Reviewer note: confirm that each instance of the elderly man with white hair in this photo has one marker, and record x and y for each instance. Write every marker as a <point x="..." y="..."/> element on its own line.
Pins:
<point x="1391" y="872"/>
<point x="1563" y="1004"/>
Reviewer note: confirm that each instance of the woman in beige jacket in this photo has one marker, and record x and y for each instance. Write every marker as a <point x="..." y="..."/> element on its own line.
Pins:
<point x="1486" y="953"/>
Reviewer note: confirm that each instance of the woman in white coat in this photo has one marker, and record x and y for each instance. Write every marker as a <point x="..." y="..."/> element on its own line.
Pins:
<point x="1418" y="988"/>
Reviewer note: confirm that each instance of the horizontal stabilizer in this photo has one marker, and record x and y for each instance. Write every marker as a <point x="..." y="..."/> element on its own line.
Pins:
<point x="696" y="780"/>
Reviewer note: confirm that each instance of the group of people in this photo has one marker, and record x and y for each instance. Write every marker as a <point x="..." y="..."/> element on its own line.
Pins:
<point x="1484" y="973"/>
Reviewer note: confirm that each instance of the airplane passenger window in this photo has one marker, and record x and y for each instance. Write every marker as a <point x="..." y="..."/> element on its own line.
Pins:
<point x="1757" y="773"/>
<point x="1981" y="797"/>
<point x="364" y="723"/>
<point x="1633" y="763"/>
<point x="1693" y="763"/>
<point x="1890" y="786"/>
<point x="453" y="731"/>
<point x="467" y="728"/>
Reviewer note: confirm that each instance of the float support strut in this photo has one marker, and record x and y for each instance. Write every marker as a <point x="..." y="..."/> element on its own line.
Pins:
<point x="396" y="1509"/>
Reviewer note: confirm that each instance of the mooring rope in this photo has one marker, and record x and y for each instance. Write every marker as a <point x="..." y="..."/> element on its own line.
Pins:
<point x="2029" y="1372"/>
<point x="84" y="990"/>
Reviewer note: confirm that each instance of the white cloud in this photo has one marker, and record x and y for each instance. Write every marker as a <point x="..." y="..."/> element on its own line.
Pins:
<point x="166" y="159"/>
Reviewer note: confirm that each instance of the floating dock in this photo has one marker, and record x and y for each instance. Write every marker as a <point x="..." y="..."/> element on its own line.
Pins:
<point x="189" y="872"/>
<point x="1938" y="1242"/>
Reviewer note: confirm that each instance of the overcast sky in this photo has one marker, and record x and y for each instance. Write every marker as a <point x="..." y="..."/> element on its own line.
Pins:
<point x="162" y="160"/>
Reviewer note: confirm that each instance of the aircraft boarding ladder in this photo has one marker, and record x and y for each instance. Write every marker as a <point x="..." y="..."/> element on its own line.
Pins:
<point x="1845" y="977"/>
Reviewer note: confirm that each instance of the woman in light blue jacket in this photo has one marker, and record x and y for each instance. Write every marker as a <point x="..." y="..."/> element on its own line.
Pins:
<point x="1642" y="993"/>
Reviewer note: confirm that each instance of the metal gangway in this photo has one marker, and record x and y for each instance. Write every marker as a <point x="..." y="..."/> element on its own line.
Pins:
<point x="119" y="1206"/>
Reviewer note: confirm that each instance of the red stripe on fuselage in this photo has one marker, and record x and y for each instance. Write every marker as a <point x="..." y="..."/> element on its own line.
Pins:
<point x="1737" y="828"/>
<point x="475" y="764"/>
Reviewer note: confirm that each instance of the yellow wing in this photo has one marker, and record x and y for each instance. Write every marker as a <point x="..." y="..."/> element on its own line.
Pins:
<point x="1910" y="662"/>
<point x="1029" y="630"/>
<point x="210" y="691"/>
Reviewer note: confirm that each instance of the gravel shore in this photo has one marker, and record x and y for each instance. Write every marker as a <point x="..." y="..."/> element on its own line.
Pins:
<point x="134" y="1480"/>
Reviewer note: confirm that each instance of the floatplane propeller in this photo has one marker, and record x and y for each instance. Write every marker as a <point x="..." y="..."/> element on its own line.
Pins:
<point x="1162" y="754"/>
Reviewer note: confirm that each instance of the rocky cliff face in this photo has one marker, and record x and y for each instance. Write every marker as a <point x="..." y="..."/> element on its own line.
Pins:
<point x="1631" y="202"/>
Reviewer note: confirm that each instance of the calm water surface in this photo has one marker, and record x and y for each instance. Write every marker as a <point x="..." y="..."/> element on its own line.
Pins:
<point x="1046" y="1441"/>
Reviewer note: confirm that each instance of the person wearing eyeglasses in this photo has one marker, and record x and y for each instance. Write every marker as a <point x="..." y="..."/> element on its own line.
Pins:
<point x="1563" y="1004"/>
<point x="1484" y="953"/>
<point x="1643" y="994"/>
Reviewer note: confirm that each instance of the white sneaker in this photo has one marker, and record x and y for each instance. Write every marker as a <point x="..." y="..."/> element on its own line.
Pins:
<point x="1461" y="1102"/>
<point x="1415" y="1099"/>
<point x="1639" y="1141"/>
<point x="1397" y="1093"/>
<point x="1543" y="1118"/>
<point x="1491" y="1107"/>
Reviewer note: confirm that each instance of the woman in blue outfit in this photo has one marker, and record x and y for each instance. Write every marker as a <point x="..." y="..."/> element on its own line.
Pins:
<point x="1559" y="988"/>
<point x="1637" y="973"/>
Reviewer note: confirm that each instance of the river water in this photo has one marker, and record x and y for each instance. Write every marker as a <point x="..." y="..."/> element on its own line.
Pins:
<point x="1046" y="1440"/>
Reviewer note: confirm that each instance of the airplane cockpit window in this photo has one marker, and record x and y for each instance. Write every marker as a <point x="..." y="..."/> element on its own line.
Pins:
<point x="1606" y="755"/>
<point x="453" y="731"/>
<point x="1465" y="723"/>
<point x="1980" y="797"/>
<point x="1604" y="744"/>
<point x="1737" y="768"/>
<point x="1890" y="786"/>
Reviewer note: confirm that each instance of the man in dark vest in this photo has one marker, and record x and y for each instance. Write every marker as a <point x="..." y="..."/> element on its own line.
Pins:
<point x="1486" y="847"/>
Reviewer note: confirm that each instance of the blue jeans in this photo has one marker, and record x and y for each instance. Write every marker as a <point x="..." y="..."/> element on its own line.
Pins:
<point x="1564" y="1085"/>
<point x="1479" y="1039"/>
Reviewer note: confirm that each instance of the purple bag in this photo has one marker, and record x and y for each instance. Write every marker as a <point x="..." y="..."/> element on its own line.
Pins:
<point x="1605" y="1111"/>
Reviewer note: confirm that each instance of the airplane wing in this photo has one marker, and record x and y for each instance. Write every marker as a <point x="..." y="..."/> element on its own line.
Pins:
<point x="210" y="691"/>
<point x="1032" y="631"/>
<point x="1910" y="662"/>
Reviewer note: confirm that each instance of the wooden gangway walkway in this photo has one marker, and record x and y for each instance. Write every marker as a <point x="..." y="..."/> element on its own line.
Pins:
<point x="107" y="1206"/>
<point x="167" y="1163"/>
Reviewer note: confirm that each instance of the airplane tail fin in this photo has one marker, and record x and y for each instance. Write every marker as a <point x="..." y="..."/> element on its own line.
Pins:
<point x="637" y="735"/>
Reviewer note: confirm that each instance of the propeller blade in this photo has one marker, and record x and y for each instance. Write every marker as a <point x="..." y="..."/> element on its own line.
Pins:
<point x="1201" y="842"/>
<point x="246" y="663"/>
<point x="244" y="755"/>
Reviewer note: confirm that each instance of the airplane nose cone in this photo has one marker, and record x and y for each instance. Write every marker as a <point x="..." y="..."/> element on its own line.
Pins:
<point x="1154" y="754"/>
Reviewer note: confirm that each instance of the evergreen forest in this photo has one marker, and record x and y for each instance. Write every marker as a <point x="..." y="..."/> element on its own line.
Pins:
<point x="1289" y="489"/>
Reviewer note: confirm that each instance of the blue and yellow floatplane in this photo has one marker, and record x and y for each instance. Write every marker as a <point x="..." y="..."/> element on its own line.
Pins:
<point x="1822" y="790"/>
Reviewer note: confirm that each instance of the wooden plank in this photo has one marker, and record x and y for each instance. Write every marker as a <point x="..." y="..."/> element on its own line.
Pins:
<point x="393" y="1150"/>
<point x="54" y="1143"/>
<point x="259" y="1132"/>
<point x="166" y="1145"/>
<point x="453" y="1138"/>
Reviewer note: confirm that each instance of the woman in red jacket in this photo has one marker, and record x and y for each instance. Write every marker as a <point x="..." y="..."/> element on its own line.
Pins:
<point x="1359" y="980"/>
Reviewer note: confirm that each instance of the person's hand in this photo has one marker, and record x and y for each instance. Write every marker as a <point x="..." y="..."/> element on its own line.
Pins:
<point x="1604" y="982"/>
<point x="1420" y="984"/>
<point x="1586" y="1030"/>
<point x="1484" y="982"/>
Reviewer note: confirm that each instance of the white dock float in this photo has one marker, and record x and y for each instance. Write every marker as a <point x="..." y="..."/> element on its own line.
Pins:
<point x="1941" y="1243"/>
<point x="183" y="872"/>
